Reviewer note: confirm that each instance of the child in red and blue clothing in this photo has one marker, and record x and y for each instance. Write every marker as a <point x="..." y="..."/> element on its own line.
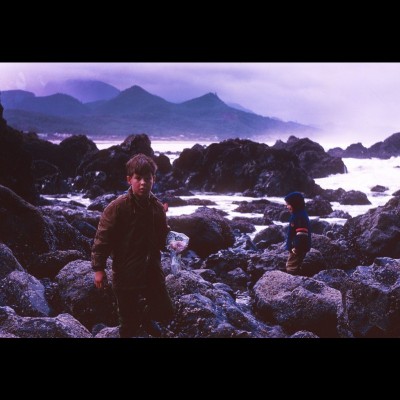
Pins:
<point x="298" y="240"/>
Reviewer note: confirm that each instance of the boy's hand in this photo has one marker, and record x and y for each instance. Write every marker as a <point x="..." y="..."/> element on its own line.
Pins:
<point x="100" y="279"/>
<point x="294" y="251"/>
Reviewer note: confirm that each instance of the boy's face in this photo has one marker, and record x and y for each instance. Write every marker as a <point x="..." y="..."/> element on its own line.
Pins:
<point x="141" y="184"/>
<point x="289" y="207"/>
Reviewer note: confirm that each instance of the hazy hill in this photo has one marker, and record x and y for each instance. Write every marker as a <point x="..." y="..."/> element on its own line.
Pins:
<point x="12" y="98"/>
<point x="84" y="90"/>
<point x="135" y="110"/>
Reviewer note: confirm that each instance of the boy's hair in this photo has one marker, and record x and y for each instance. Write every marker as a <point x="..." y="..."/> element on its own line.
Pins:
<point x="141" y="164"/>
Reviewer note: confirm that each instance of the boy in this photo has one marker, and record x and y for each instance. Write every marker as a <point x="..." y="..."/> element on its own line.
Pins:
<point x="134" y="228"/>
<point x="298" y="240"/>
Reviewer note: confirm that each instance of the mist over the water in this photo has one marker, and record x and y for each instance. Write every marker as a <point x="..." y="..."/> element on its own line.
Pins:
<point x="349" y="102"/>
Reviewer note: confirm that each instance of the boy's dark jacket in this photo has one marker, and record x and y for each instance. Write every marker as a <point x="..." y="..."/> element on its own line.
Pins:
<point x="135" y="235"/>
<point x="299" y="233"/>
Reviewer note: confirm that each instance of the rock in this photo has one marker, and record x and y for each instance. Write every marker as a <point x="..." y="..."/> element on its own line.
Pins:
<point x="354" y="197"/>
<point x="28" y="232"/>
<point x="224" y="287"/>
<point x="339" y="214"/>
<point x="16" y="164"/>
<point x="335" y="278"/>
<point x="338" y="254"/>
<point x="388" y="148"/>
<point x="270" y="235"/>
<point x="379" y="189"/>
<point x="312" y="157"/>
<point x="313" y="263"/>
<point x="236" y="165"/>
<point x="108" y="333"/>
<point x="25" y="294"/>
<point x="356" y="150"/>
<point x="255" y="206"/>
<point x="242" y="225"/>
<point x="304" y="335"/>
<point x="8" y="262"/>
<point x="207" y="274"/>
<point x="297" y="303"/>
<point x="371" y="306"/>
<point x="207" y="230"/>
<point x="396" y="193"/>
<point x="318" y="226"/>
<point x="375" y="233"/>
<point x="4" y="335"/>
<point x="318" y="206"/>
<point x="80" y="298"/>
<point x="84" y="228"/>
<point x="49" y="264"/>
<point x="62" y="326"/>
<point x="101" y="202"/>
<point x="163" y="163"/>
<point x="237" y="278"/>
<point x="186" y="282"/>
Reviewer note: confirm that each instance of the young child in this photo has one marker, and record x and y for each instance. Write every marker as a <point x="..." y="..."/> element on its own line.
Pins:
<point x="298" y="240"/>
<point x="134" y="229"/>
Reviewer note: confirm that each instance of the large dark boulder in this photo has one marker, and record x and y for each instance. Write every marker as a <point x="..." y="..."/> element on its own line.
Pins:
<point x="29" y="232"/>
<point x="318" y="206"/>
<point x="16" y="164"/>
<point x="62" y="326"/>
<point x="48" y="265"/>
<point x="371" y="306"/>
<point x="354" y="197"/>
<point x="25" y="294"/>
<point x="237" y="165"/>
<point x="388" y="148"/>
<point x="375" y="233"/>
<point x="8" y="262"/>
<point x="355" y="150"/>
<point x="79" y="297"/>
<point x="270" y="235"/>
<point x="207" y="230"/>
<point x="312" y="157"/>
<point x="297" y="303"/>
<point x="110" y="164"/>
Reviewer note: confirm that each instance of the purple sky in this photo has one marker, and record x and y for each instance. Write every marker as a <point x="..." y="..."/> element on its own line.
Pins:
<point x="351" y="101"/>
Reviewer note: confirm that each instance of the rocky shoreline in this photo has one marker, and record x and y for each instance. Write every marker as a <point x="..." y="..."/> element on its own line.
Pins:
<point x="351" y="284"/>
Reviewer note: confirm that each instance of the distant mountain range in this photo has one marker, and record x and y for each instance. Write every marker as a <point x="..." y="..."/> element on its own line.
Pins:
<point x="103" y="110"/>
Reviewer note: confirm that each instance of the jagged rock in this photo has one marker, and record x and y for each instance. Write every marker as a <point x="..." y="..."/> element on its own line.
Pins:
<point x="375" y="233"/>
<point x="62" y="326"/>
<point x="236" y="165"/>
<point x="335" y="278"/>
<point x="339" y="214"/>
<point x="108" y="332"/>
<point x="16" y="164"/>
<point x="318" y="226"/>
<point x="243" y="225"/>
<point x="396" y="193"/>
<point x="29" y="232"/>
<point x="312" y="157"/>
<point x="186" y="282"/>
<point x="337" y="254"/>
<point x="255" y="206"/>
<point x="207" y="230"/>
<point x="49" y="264"/>
<point x="25" y="294"/>
<point x="304" y="335"/>
<point x="318" y="206"/>
<point x="270" y="235"/>
<point x="207" y="274"/>
<point x="313" y="262"/>
<point x="8" y="262"/>
<point x="106" y="168"/>
<point x="4" y="335"/>
<point x="101" y="202"/>
<point x="371" y="306"/>
<point x="356" y="150"/>
<point x="386" y="149"/>
<point x="297" y="303"/>
<point x="80" y="298"/>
